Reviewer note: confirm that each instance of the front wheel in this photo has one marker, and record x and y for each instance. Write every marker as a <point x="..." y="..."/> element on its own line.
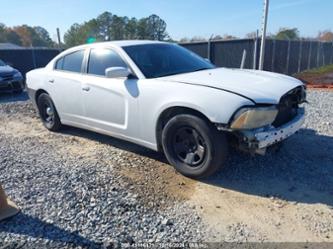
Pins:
<point x="194" y="146"/>
<point x="48" y="113"/>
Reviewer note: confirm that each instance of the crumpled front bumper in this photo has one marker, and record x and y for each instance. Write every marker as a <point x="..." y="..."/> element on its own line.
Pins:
<point x="259" y="139"/>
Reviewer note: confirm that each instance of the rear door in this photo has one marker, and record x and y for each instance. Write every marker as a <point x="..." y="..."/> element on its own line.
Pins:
<point x="65" y="86"/>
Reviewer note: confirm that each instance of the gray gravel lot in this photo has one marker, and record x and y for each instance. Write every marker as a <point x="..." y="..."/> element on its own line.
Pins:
<point x="72" y="192"/>
<point x="286" y="195"/>
<point x="79" y="189"/>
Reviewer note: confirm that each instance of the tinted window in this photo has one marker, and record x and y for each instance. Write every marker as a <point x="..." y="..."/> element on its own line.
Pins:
<point x="59" y="64"/>
<point x="158" y="60"/>
<point x="71" y="62"/>
<point x="101" y="59"/>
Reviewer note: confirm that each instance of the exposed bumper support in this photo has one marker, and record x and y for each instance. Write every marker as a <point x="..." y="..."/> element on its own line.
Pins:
<point x="259" y="139"/>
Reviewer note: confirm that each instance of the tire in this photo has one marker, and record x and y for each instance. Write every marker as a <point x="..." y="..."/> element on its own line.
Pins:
<point x="193" y="146"/>
<point x="48" y="112"/>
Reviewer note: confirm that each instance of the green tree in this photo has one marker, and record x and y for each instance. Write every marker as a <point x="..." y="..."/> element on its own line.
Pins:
<point x="42" y="37"/>
<point x="287" y="34"/>
<point x="80" y="33"/>
<point x="13" y="37"/>
<point x="131" y="29"/>
<point x="142" y="29"/>
<point x="26" y="36"/>
<point x="104" y="21"/>
<point x="117" y="28"/>
<point x="112" y="27"/>
<point x="156" y="28"/>
<point x="3" y="33"/>
<point x="74" y="36"/>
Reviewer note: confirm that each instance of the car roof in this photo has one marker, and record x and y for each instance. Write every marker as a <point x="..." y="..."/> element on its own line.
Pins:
<point x="122" y="43"/>
<point x="133" y="42"/>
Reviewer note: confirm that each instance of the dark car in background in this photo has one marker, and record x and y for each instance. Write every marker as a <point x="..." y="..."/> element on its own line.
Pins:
<point x="11" y="80"/>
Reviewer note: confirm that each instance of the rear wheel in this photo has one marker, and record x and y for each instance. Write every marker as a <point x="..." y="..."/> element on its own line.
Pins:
<point x="193" y="146"/>
<point x="48" y="113"/>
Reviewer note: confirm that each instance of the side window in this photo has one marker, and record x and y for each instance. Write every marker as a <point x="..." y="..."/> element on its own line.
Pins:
<point x="72" y="62"/>
<point x="59" y="64"/>
<point x="101" y="58"/>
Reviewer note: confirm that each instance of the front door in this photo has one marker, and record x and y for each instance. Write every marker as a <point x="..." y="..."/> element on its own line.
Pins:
<point x="110" y="104"/>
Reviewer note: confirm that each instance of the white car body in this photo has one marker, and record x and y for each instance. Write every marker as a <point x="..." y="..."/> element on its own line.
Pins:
<point x="130" y="108"/>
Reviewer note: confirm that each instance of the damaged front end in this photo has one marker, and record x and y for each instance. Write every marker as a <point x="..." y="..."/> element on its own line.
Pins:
<point x="257" y="140"/>
<point x="274" y="123"/>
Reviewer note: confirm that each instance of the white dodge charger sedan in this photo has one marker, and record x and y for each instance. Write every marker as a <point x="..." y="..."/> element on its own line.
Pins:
<point x="164" y="97"/>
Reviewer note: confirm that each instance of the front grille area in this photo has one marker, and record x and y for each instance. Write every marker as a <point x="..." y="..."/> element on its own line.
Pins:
<point x="288" y="106"/>
<point x="7" y="77"/>
<point x="13" y="86"/>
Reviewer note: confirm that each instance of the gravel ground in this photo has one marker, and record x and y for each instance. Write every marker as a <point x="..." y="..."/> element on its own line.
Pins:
<point x="73" y="189"/>
<point x="78" y="189"/>
<point x="287" y="195"/>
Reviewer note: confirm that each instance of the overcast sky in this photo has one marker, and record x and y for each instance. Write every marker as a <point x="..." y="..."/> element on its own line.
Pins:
<point x="185" y="18"/>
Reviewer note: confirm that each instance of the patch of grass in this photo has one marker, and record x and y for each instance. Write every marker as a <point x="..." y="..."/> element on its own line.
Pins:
<point x="317" y="71"/>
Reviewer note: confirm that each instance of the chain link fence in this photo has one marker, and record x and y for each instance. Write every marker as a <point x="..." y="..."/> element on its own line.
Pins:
<point x="287" y="57"/>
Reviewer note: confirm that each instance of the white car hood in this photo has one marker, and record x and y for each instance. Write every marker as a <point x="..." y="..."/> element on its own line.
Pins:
<point x="259" y="86"/>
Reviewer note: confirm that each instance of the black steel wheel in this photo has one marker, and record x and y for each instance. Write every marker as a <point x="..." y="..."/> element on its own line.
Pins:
<point x="193" y="145"/>
<point x="189" y="146"/>
<point x="48" y="113"/>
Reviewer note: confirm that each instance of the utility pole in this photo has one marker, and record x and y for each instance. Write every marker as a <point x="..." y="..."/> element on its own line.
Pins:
<point x="209" y="47"/>
<point x="58" y="35"/>
<point x="243" y="59"/>
<point x="263" y="35"/>
<point x="255" y="51"/>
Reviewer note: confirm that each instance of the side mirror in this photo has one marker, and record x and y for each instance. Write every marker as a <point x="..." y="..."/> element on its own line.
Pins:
<point x="117" y="72"/>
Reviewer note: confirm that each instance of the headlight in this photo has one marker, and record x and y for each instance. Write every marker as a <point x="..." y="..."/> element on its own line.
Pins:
<point x="250" y="118"/>
<point x="17" y="75"/>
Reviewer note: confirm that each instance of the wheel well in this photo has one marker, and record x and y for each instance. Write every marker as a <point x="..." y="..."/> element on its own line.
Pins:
<point x="169" y="113"/>
<point x="38" y="93"/>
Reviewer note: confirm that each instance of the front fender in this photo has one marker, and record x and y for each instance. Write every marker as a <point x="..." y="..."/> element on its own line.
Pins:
<point x="217" y="105"/>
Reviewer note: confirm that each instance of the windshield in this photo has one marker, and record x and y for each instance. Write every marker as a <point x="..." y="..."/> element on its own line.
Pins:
<point x="158" y="60"/>
<point x="2" y="64"/>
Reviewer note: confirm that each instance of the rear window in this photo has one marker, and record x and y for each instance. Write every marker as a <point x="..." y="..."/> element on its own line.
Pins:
<point x="71" y="62"/>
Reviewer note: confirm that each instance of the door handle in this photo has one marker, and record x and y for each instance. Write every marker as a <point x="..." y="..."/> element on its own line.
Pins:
<point x="86" y="88"/>
<point x="51" y="81"/>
